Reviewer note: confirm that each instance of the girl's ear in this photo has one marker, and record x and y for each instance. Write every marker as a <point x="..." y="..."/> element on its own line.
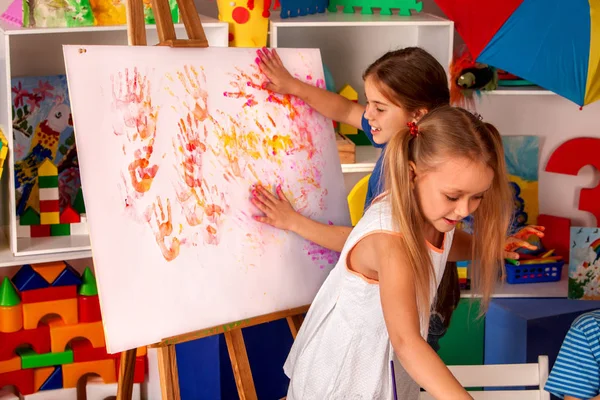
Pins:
<point x="412" y="170"/>
<point x="419" y="113"/>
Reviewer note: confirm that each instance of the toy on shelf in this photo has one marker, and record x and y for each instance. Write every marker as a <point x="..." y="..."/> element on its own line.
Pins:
<point x="386" y="6"/>
<point x="3" y="150"/>
<point x="462" y="268"/>
<point x="299" y="8"/>
<point x="469" y="78"/>
<point x="51" y="332"/>
<point x="349" y="93"/>
<point x="533" y="266"/>
<point x="248" y="21"/>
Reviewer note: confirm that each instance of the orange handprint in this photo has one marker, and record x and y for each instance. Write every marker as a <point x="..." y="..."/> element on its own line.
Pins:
<point x="132" y="101"/>
<point x="163" y="228"/>
<point x="194" y="86"/>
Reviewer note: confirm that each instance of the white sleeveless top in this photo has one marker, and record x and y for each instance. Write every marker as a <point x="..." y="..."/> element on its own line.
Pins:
<point x="343" y="350"/>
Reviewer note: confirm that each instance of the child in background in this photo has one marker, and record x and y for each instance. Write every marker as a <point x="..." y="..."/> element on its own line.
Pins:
<point x="401" y="87"/>
<point x="576" y="372"/>
<point x="375" y="304"/>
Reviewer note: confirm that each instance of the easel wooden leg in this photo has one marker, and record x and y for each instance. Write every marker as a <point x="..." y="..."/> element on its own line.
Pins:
<point x="167" y="370"/>
<point x="125" y="386"/>
<point x="295" y="321"/>
<point x="240" y="364"/>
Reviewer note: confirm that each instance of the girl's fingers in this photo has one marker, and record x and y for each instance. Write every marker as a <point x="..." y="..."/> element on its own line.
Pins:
<point x="264" y="220"/>
<point x="511" y="255"/>
<point x="267" y="195"/>
<point x="277" y="59"/>
<point x="260" y="204"/>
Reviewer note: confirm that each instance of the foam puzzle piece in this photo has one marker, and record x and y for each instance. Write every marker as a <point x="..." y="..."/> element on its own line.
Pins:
<point x="27" y="279"/>
<point x="68" y="276"/>
<point x="34" y="312"/>
<point x="49" y="294"/>
<point x="54" y="381"/>
<point x="38" y="339"/>
<point x="295" y="8"/>
<point x="386" y="6"/>
<point x="96" y="389"/>
<point x="104" y="368"/>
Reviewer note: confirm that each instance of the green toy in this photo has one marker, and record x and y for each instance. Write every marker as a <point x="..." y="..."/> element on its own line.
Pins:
<point x="386" y="6"/>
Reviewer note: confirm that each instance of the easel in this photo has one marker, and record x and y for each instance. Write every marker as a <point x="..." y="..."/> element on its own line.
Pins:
<point x="169" y="381"/>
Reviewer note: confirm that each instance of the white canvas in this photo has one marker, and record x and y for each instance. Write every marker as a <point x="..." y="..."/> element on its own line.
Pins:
<point x="170" y="142"/>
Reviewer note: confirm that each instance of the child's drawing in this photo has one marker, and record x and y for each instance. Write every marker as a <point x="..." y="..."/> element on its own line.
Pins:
<point x="171" y="142"/>
<point x="43" y="128"/>
<point x="584" y="264"/>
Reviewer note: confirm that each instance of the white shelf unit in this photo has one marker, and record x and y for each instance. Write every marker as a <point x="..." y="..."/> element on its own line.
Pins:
<point x="519" y="91"/>
<point x="350" y="42"/>
<point x="38" y="52"/>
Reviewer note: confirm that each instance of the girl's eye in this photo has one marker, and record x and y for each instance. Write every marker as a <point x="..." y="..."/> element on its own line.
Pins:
<point x="478" y="197"/>
<point x="452" y="198"/>
<point x="379" y="110"/>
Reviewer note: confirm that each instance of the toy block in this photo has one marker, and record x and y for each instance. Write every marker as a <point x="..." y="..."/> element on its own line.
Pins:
<point x="80" y="228"/>
<point x="8" y="294"/>
<point x="11" y="318"/>
<point x="49" y="294"/>
<point x="48" y="194"/>
<point x="47" y="182"/>
<point x="40" y="375"/>
<point x="78" y="205"/>
<point x="12" y="364"/>
<point x="27" y="279"/>
<point x="139" y="371"/>
<point x="88" y="283"/>
<point x="104" y="368"/>
<point x="40" y="231"/>
<point x="34" y="312"/>
<point x="60" y="230"/>
<point x="38" y="339"/>
<point x="349" y="93"/>
<point x="67" y="277"/>
<point x="54" y="381"/>
<point x="69" y="216"/>
<point x="22" y="379"/>
<point x="31" y="359"/>
<point x="49" y="206"/>
<point x="96" y="389"/>
<point x="47" y="168"/>
<point x="50" y="270"/>
<point x="4" y="393"/>
<point x="84" y="351"/>
<point x="49" y="218"/>
<point x="23" y="231"/>
<point x="59" y="394"/>
<point x="29" y="217"/>
<point x="89" y="309"/>
<point x="61" y="334"/>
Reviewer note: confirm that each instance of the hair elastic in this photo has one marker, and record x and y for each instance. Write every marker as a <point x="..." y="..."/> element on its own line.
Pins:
<point x="413" y="128"/>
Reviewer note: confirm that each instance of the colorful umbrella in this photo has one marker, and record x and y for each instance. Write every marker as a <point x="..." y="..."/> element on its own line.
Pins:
<point x="552" y="43"/>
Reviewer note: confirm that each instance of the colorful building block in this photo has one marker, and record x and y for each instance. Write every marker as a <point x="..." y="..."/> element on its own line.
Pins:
<point x="49" y="218"/>
<point x="139" y="371"/>
<point x="104" y="368"/>
<point x="27" y="279"/>
<point x="55" y="381"/>
<point x="39" y="231"/>
<point x="60" y="230"/>
<point x="69" y="216"/>
<point x="78" y="204"/>
<point x="47" y="168"/>
<point x="49" y="206"/>
<point x="84" y="351"/>
<point x="88" y="283"/>
<point x="49" y="271"/>
<point x="89" y="308"/>
<point x="31" y="359"/>
<point x="29" y="217"/>
<point x="47" y="181"/>
<point x="23" y="231"/>
<point x="67" y="277"/>
<point x="349" y="93"/>
<point x="49" y="294"/>
<point x="96" y="389"/>
<point x="48" y="194"/>
<point x="34" y="312"/>
<point x="38" y="339"/>
<point x="11" y="311"/>
<point x="40" y="375"/>
<point x="22" y="379"/>
<point x="12" y="364"/>
<point x="59" y="394"/>
<point x="61" y="334"/>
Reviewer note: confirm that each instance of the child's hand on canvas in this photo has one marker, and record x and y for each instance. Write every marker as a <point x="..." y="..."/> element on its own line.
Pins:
<point x="519" y="239"/>
<point x="280" y="80"/>
<point x="278" y="211"/>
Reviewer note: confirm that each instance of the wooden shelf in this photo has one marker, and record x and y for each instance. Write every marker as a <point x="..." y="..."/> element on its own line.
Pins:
<point x="366" y="157"/>
<point x="35" y="252"/>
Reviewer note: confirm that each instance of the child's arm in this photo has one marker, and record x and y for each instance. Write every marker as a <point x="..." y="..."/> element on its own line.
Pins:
<point x="382" y="254"/>
<point x="278" y="212"/>
<point x="331" y="105"/>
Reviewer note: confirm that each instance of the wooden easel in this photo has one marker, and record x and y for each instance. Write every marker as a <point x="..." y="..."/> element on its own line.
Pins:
<point x="169" y="381"/>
